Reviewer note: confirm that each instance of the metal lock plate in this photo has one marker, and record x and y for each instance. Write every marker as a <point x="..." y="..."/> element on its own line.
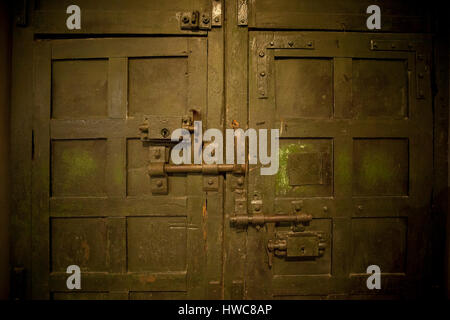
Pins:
<point x="307" y="246"/>
<point x="195" y="20"/>
<point x="158" y="155"/>
<point x="159" y="127"/>
<point x="159" y="185"/>
<point x="210" y="183"/>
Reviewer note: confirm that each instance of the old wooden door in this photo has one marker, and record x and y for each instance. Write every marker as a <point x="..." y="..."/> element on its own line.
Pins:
<point x="355" y="120"/>
<point x="92" y="194"/>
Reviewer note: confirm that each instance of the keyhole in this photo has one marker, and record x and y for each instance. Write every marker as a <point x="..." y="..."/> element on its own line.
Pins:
<point x="165" y="132"/>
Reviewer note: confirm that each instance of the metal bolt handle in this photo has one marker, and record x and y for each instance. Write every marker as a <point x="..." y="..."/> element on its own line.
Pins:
<point x="262" y="219"/>
<point x="161" y="168"/>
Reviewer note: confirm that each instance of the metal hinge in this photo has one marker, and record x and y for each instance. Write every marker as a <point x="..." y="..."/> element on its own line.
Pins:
<point x="242" y="12"/>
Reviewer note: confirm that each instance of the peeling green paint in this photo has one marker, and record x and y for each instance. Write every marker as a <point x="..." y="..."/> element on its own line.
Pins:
<point x="282" y="180"/>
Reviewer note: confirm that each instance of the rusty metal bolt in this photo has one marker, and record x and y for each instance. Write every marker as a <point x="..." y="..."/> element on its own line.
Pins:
<point x="325" y="208"/>
<point x="271" y="43"/>
<point x="210" y="181"/>
<point x="360" y="207"/>
<point x="262" y="74"/>
<point x="290" y="43"/>
<point x="217" y="19"/>
<point x="159" y="183"/>
<point x="261" y="54"/>
<point x="240" y="181"/>
<point x="205" y="20"/>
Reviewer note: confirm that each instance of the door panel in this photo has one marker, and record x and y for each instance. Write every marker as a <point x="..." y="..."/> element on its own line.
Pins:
<point x="355" y="152"/>
<point x="92" y="192"/>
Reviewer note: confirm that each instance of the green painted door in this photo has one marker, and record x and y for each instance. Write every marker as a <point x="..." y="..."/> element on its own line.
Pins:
<point x="354" y="110"/>
<point x="355" y="119"/>
<point x="94" y="205"/>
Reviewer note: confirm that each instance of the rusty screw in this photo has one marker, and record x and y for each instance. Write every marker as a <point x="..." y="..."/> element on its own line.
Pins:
<point x="159" y="183"/>
<point x="185" y="20"/>
<point x="210" y="181"/>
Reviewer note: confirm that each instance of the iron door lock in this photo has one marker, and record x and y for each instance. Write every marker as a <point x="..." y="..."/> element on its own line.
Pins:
<point x="296" y="245"/>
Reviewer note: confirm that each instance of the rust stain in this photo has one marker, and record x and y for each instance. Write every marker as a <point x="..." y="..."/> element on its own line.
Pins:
<point x="205" y="215"/>
<point x="235" y="124"/>
<point x="147" y="279"/>
<point x="204" y="211"/>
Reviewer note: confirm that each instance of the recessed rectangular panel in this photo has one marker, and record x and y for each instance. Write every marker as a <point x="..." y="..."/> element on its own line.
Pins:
<point x="156" y="244"/>
<point x="78" y="167"/>
<point x="305" y="168"/>
<point x="380" y="88"/>
<point x="158" y="86"/>
<point x="79" y="89"/>
<point x="381" y="242"/>
<point x="79" y="241"/>
<point x="304" y="87"/>
<point x="380" y="167"/>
